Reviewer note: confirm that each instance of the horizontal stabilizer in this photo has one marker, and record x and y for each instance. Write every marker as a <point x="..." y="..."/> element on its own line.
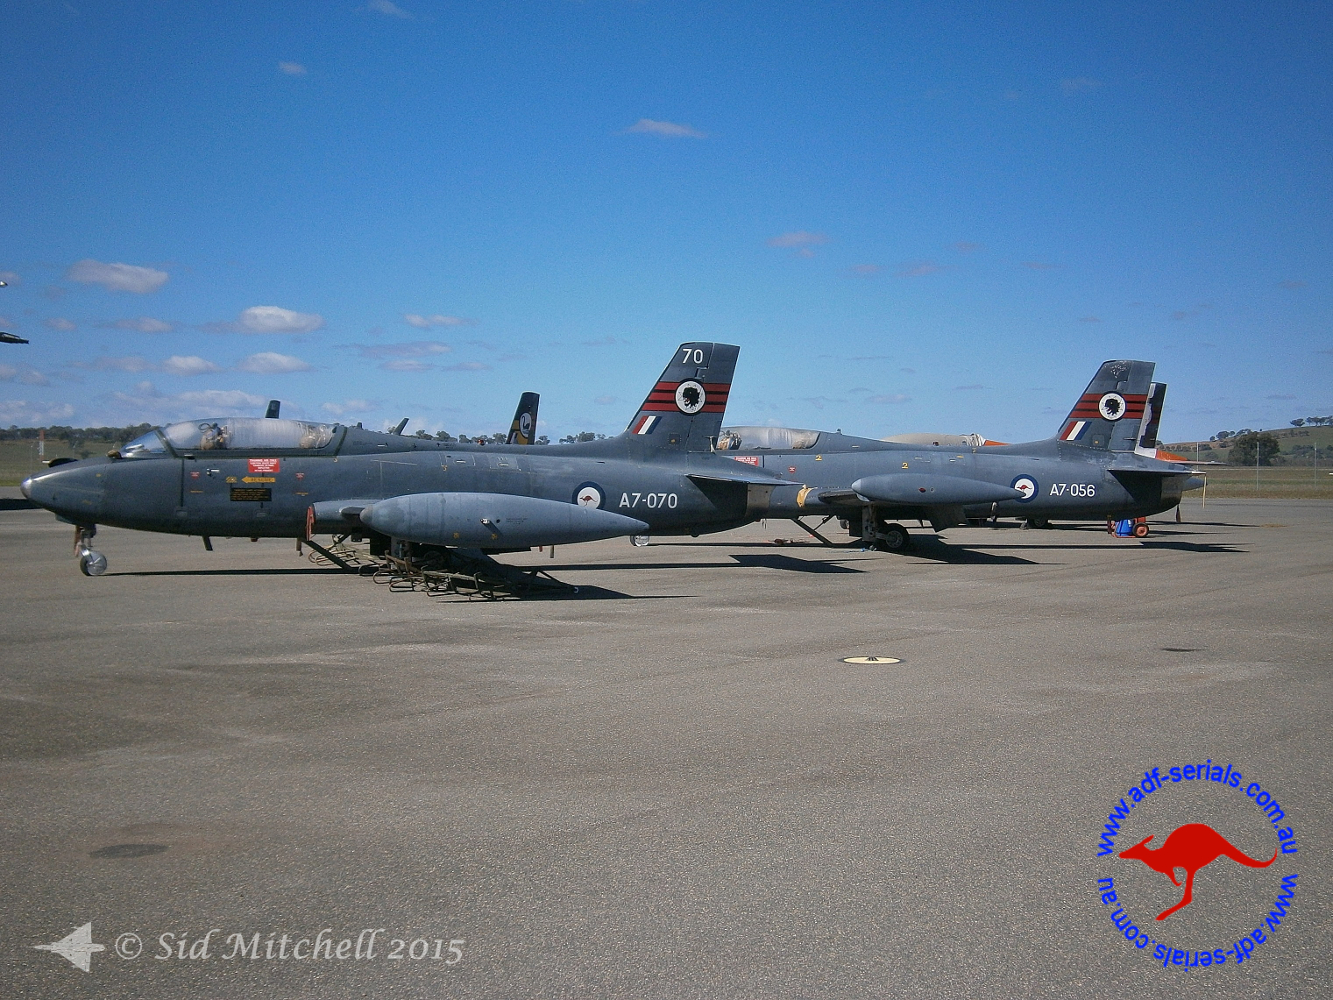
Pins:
<point x="493" y="520"/>
<point x="933" y="491"/>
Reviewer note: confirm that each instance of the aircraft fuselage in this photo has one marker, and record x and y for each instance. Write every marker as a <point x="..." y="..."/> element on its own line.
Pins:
<point x="269" y="495"/>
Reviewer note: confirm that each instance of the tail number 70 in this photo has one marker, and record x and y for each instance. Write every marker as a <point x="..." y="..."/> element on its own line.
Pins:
<point x="651" y="500"/>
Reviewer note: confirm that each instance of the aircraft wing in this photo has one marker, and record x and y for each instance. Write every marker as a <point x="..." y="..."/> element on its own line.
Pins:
<point x="744" y="478"/>
<point x="835" y="498"/>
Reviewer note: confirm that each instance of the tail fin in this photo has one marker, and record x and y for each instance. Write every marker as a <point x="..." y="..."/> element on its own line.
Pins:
<point x="684" y="410"/>
<point x="1152" y="419"/>
<point x="1108" y="414"/>
<point x="524" y="428"/>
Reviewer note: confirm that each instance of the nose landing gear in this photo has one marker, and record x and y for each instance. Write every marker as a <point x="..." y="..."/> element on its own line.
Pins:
<point x="91" y="562"/>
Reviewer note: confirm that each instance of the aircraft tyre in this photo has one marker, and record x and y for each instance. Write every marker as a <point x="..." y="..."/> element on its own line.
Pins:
<point x="92" y="563"/>
<point x="895" y="538"/>
<point x="1038" y="522"/>
<point x="1140" y="531"/>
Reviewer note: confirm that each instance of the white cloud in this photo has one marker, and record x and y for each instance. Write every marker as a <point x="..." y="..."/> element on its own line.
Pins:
<point x="292" y="68"/>
<point x="272" y="363"/>
<point x="670" y="130"/>
<point x="388" y="9"/>
<point x="129" y="363"/>
<point x="275" y="319"/>
<point x="604" y="400"/>
<point x="60" y="323"/>
<point x="222" y="400"/>
<point x="426" y="322"/>
<point x="144" y="324"/>
<point x="188" y="365"/>
<point x="145" y="402"/>
<point x="25" y="414"/>
<point x="799" y="238"/>
<point x="467" y="366"/>
<point x="117" y="277"/>
<point x="410" y="349"/>
<point x="407" y="366"/>
<point x="348" y="406"/>
<point x="25" y="374"/>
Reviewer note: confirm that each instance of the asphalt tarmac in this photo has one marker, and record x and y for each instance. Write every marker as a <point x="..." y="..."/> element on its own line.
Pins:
<point x="671" y="785"/>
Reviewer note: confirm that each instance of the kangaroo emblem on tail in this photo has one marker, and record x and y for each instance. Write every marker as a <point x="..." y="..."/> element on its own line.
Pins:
<point x="1192" y="846"/>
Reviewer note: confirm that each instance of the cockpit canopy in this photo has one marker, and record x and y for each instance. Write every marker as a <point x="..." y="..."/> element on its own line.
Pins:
<point x="234" y="434"/>
<point x="765" y="438"/>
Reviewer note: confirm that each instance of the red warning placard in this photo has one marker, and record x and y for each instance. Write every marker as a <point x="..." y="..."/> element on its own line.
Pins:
<point x="265" y="465"/>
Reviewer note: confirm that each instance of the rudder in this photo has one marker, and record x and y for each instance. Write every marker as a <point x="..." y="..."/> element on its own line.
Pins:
<point x="1152" y="421"/>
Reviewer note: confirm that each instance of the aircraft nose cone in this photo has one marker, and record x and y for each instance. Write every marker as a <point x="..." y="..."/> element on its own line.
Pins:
<point x="73" y="491"/>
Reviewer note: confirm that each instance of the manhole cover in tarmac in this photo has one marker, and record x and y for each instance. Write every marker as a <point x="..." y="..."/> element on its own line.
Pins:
<point x="871" y="659"/>
<point x="127" y="851"/>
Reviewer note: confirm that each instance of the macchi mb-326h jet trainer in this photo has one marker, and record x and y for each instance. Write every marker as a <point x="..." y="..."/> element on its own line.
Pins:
<point x="1101" y="464"/>
<point x="264" y="477"/>
<point x="667" y="473"/>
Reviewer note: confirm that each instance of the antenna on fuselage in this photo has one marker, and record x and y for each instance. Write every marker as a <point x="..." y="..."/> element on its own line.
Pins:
<point x="274" y="405"/>
<point x="401" y="424"/>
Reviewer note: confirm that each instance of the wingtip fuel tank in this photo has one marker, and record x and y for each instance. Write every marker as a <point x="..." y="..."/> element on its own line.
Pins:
<point x="493" y="520"/>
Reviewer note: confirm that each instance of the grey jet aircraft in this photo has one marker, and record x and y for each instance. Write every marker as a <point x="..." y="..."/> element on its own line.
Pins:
<point x="271" y="477"/>
<point x="1101" y="464"/>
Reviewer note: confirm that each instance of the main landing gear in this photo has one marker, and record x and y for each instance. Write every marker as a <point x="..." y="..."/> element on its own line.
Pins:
<point x="877" y="533"/>
<point x="91" y="562"/>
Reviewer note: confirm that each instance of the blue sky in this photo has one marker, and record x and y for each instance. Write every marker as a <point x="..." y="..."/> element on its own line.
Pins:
<point x="911" y="217"/>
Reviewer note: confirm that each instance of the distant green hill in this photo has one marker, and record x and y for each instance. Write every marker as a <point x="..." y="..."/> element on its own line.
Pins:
<point x="1296" y="447"/>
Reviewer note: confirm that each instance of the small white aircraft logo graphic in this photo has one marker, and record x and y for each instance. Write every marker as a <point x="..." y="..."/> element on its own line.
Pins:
<point x="77" y="946"/>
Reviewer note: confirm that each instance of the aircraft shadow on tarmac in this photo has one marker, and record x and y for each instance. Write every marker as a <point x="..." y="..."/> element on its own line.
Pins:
<point x="1150" y="544"/>
<point x="1192" y="547"/>
<point x="791" y="564"/>
<point x="770" y="561"/>
<point x="291" y="571"/>
<point x="924" y="547"/>
<point x="585" y="593"/>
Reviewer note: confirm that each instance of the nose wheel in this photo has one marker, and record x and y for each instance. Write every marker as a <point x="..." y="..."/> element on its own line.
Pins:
<point x="91" y="562"/>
